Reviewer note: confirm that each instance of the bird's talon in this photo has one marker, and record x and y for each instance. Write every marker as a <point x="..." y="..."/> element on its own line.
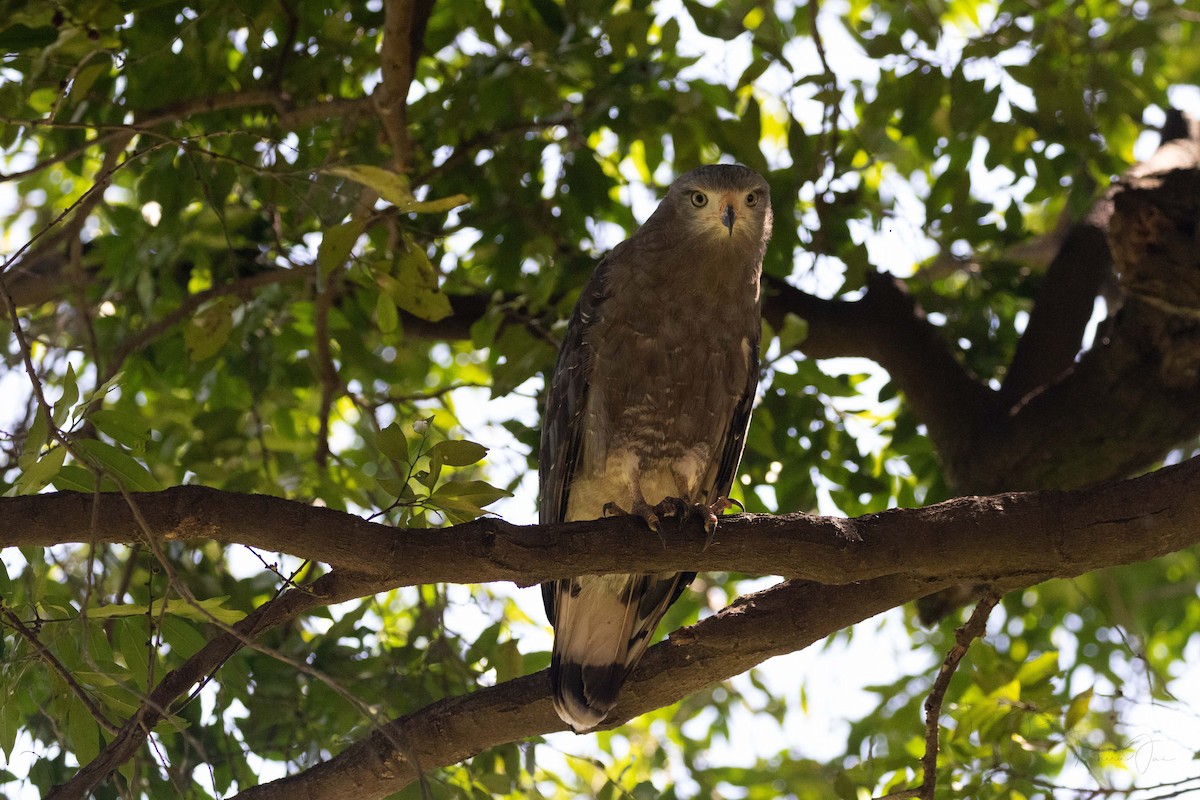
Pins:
<point x="648" y="513"/>
<point x="675" y="507"/>
<point x="614" y="510"/>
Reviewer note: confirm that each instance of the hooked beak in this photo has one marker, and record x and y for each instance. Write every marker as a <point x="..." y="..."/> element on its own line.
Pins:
<point x="728" y="216"/>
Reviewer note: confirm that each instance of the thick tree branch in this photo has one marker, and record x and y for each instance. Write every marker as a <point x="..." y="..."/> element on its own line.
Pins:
<point x="1132" y="397"/>
<point x="1012" y="536"/>
<point x="1062" y="309"/>
<point x="888" y="327"/>
<point x="878" y="561"/>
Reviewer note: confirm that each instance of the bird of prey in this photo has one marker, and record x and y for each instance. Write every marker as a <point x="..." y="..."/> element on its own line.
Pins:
<point x="647" y="412"/>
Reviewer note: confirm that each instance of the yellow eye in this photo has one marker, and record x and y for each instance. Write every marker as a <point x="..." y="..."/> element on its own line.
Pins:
<point x="752" y="199"/>
<point x="699" y="199"/>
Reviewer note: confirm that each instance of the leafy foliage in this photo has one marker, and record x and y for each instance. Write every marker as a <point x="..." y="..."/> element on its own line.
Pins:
<point x="245" y="293"/>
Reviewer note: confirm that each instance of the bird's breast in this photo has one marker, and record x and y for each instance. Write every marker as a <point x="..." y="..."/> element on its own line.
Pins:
<point x="664" y="384"/>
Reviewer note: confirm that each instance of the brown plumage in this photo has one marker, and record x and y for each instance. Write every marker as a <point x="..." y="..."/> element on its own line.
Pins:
<point x="648" y="409"/>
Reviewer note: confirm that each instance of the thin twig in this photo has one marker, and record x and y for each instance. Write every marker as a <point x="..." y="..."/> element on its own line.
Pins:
<point x="832" y="112"/>
<point x="975" y="627"/>
<point x="52" y="661"/>
<point x="185" y="309"/>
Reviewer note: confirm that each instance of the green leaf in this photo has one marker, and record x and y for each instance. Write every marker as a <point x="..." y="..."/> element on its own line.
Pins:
<point x="132" y="643"/>
<point x="10" y="724"/>
<point x="1039" y="669"/>
<point x="39" y="434"/>
<point x="395" y="189"/>
<point x="181" y="636"/>
<point x="430" y="478"/>
<point x="476" y="494"/>
<point x="74" y="478"/>
<point x="16" y="38"/>
<point x="389" y="185"/>
<point x="130" y="430"/>
<point x="336" y="244"/>
<point x="119" y="465"/>
<point x="392" y="442"/>
<point x="1078" y="708"/>
<point x="508" y="661"/>
<point x="415" y="286"/>
<point x="82" y="732"/>
<point x="36" y="475"/>
<point x="386" y="315"/>
<point x="209" y="329"/>
<point x="793" y="332"/>
<point x="438" y="206"/>
<point x="70" y="396"/>
<point x="200" y="611"/>
<point x="484" y="643"/>
<point x="459" y="452"/>
<point x="100" y="392"/>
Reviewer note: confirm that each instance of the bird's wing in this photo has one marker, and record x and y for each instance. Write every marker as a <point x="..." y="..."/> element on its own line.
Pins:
<point x="734" y="440"/>
<point x="562" y="421"/>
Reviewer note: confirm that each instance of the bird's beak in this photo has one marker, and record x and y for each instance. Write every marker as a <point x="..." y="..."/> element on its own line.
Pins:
<point x="728" y="216"/>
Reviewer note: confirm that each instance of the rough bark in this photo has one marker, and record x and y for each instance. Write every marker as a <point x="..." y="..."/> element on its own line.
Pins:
<point x="985" y="538"/>
<point x="868" y="565"/>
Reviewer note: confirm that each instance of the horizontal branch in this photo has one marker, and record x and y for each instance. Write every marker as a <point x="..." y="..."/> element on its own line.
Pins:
<point x="782" y="619"/>
<point x="871" y="563"/>
<point x="972" y="538"/>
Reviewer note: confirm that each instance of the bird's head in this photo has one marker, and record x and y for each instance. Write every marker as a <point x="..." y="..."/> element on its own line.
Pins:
<point x="723" y="202"/>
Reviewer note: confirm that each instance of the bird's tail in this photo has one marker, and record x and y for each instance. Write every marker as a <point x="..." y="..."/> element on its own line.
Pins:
<point x="602" y="625"/>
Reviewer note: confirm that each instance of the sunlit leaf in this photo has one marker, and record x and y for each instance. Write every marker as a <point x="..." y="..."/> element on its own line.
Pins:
<point x="459" y="452"/>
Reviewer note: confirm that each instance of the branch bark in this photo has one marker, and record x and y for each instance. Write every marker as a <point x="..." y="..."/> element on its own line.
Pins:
<point x="396" y="62"/>
<point x="1018" y="536"/>
<point x="1062" y="309"/>
<point x="868" y="564"/>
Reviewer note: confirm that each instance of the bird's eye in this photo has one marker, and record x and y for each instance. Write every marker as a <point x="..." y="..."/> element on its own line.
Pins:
<point x="699" y="199"/>
<point x="752" y="199"/>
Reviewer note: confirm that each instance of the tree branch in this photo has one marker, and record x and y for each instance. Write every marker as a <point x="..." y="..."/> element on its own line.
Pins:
<point x="1012" y="536"/>
<point x="1062" y="309"/>
<point x="1132" y="397"/>
<point x="888" y="327"/>
<point x="873" y="563"/>
<point x="396" y="62"/>
<point x="973" y="629"/>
